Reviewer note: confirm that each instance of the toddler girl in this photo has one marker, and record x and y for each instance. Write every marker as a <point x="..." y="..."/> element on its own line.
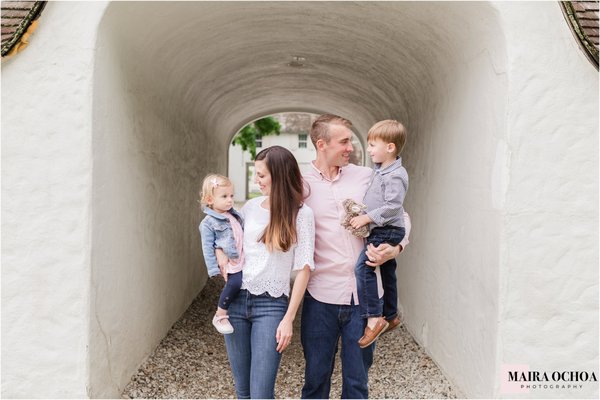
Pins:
<point x="222" y="228"/>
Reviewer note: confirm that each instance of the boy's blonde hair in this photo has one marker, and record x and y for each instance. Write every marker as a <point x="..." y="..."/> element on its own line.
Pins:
<point x="390" y="131"/>
<point x="210" y="183"/>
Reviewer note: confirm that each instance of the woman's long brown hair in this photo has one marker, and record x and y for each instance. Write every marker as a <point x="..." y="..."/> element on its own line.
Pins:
<point x="285" y="198"/>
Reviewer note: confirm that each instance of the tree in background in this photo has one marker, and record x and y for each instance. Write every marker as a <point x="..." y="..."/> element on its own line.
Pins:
<point x="247" y="136"/>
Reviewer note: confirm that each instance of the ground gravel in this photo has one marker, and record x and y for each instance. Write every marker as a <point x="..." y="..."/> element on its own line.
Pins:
<point x="191" y="362"/>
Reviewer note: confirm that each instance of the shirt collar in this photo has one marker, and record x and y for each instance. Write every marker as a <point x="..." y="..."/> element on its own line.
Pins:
<point x="209" y="211"/>
<point x="392" y="167"/>
<point x="320" y="173"/>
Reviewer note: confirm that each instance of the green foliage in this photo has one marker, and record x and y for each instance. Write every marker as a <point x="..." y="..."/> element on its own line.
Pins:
<point x="247" y="136"/>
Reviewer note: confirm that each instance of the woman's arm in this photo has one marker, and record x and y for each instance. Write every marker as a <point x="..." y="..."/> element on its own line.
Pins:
<point x="286" y="326"/>
<point x="303" y="263"/>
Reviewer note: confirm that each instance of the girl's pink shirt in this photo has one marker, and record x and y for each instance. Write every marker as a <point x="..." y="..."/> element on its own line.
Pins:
<point x="238" y="235"/>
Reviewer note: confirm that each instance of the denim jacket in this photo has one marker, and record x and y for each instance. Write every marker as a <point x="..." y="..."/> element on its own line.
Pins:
<point x="216" y="233"/>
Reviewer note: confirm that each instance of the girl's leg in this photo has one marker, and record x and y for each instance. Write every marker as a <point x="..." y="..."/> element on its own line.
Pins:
<point x="238" y="345"/>
<point x="267" y="313"/>
<point x="230" y="291"/>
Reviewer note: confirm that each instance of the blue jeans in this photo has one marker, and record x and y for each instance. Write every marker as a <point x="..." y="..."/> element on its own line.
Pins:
<point x="390" y="290"/>
<point x="321" y="328"/>
<point x="251" y="348"/>
<point x="366" y="279"/>
<point x="231" y="289"/>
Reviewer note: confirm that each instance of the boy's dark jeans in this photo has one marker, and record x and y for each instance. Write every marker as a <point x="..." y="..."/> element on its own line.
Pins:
<point x="366" y="280"/>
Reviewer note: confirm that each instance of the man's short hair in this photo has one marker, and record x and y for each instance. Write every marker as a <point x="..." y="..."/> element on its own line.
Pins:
<point x="320" y="128"/>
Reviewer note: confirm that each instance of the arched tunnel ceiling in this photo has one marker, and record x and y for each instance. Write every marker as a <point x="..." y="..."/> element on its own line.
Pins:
<point x="227" y="63"/>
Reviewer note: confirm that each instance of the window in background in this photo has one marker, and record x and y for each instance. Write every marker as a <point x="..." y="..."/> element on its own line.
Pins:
<point x="302" y="141"/>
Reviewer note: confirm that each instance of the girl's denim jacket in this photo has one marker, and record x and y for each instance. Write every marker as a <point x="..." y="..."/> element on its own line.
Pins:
<point x="216" y="233"/>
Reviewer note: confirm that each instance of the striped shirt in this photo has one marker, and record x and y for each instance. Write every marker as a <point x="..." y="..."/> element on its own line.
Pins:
<point x="385" y="195"/>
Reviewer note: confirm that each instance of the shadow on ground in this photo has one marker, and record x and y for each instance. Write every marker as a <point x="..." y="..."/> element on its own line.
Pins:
<point x="191" y="362"/>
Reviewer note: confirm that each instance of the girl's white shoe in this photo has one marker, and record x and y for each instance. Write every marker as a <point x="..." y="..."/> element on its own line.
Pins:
<point x="222" y="324"/>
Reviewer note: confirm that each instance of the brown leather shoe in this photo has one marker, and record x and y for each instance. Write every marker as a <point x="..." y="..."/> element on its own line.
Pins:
<point x="393" y="324"/>
<point x="371" y="335"/>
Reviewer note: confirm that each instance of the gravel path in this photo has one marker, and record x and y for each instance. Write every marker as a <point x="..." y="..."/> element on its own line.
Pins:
<point x="191" y="362"/>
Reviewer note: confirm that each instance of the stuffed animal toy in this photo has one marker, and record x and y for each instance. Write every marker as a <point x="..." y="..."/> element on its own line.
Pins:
<point x="353" y="209"/>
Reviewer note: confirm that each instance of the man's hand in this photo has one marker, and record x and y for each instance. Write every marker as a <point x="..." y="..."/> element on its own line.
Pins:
<point x="380" y="254"/>
<point x="360" y="221"/>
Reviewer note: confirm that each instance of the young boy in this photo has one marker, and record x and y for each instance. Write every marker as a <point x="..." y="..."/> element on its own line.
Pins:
<point x="385" y="216"/>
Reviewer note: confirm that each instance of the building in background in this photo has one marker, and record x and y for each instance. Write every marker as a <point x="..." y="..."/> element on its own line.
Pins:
<point x="294" y="136"/>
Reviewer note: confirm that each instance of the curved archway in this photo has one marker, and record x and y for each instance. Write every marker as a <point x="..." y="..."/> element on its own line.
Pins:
<point x="174" y="80"/>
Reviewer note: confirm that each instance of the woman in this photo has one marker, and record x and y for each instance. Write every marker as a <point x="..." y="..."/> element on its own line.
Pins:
<point x="279" y="237"/>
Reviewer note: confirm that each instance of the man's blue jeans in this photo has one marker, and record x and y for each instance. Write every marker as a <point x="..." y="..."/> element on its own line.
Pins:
<point x="251" y="348"/>
<point x="366" y="279"/>
<point x="321" y="328"/>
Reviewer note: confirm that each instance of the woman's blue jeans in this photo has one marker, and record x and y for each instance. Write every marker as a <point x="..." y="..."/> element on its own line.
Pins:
<point x="251" y="348"/>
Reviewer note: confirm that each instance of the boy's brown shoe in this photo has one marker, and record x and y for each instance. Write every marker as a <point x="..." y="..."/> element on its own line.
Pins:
<point x="371" y="335"/>
<point x="393" y="324"/>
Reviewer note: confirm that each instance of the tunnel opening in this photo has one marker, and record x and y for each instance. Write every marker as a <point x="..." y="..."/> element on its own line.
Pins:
<point x="173" y="81"/>
<point x="294" y="135"/>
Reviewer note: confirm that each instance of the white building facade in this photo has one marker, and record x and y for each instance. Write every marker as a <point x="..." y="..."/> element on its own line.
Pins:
<point x="115" y="111"/>
<point x="294" y="136"/>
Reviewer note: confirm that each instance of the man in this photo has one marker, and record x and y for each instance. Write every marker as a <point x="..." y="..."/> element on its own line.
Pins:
<point x="330" y="308"/>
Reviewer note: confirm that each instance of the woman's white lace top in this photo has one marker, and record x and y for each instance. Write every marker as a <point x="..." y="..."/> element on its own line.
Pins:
<point x="270" y="272"/>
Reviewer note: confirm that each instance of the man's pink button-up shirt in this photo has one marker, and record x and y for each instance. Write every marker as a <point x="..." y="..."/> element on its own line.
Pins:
<point x="336" y="249"/>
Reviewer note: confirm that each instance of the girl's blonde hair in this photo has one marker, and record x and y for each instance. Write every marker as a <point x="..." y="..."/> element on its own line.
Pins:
<point x="210" y="183"/>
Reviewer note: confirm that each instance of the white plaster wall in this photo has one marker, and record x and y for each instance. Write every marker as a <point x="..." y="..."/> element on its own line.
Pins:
<point x="99" y="217"/>
<point x="223" y="66"/>
<point x="146" y="261"/>
<point x="46" y="206"/>
<point x="549" y="281"/>
<point x="448" y="276"/>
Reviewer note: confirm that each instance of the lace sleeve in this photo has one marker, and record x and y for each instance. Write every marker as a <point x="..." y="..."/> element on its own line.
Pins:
<point x="305" y="251"/>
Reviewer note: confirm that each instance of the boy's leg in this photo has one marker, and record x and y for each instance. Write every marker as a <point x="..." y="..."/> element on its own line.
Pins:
<point x="366" y="286"/>
<point x="389" y="281"/>
<point x="390" y="289"/>
<point x="320" y="332"/>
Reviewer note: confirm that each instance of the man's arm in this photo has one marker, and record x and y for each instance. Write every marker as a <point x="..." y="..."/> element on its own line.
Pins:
<point x="384" y="252"/>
